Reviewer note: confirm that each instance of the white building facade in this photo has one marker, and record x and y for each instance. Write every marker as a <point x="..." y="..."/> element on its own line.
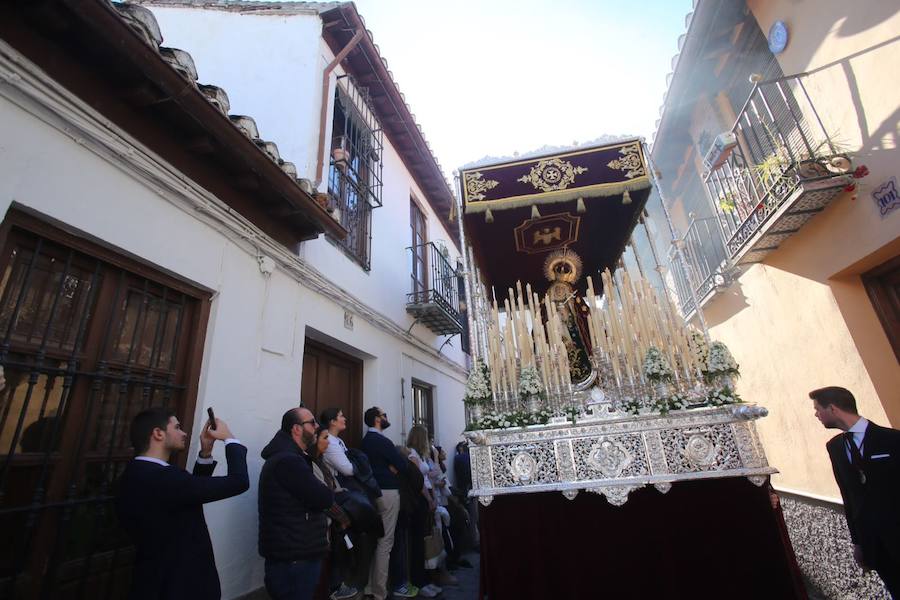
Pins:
<point x="271" y="324"/>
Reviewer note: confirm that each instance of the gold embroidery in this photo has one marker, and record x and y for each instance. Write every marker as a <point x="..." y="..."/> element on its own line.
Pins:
<point x="546" y="236"/>
<point x="630" y="161"/>
<point x="476" y="186"/>
<point x="552" y="174"/>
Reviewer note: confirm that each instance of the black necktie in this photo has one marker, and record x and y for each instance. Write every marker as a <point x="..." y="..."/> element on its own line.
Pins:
<point x="856" y="459"/>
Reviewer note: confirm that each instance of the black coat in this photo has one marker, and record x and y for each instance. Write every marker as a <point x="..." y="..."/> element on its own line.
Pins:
<point x="162" y="510"/>
<point x="292" y="501"/>
<point x="873" y="508"/>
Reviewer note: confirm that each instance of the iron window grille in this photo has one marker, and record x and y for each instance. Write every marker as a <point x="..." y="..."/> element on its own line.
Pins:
<point x="85" y="344"/>
<point x="355" y="170"/>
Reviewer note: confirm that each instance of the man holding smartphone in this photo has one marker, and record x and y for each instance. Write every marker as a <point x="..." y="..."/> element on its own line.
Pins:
<point x="161" y="506"/>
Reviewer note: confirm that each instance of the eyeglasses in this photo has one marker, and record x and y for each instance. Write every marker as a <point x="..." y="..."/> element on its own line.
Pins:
<point x="383" y="415"/>
<point x="310" y="422"/>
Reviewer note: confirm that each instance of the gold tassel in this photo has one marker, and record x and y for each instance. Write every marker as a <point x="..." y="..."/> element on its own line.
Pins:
<point x="580" y="206"/>
<point x="488" y="216"/>
<point x="535" y="214"/>
<point x="453" y="212"/>
<point x="626" y="198"/>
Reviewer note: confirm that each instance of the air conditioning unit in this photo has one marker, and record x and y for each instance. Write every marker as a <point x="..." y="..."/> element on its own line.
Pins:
<point x="720" y="150"/>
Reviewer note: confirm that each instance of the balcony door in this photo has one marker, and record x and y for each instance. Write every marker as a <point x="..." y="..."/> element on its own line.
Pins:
<point x="419" y="271"/>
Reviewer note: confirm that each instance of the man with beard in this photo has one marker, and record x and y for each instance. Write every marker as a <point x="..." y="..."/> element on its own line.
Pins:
<point x="386" y="463"/>
<point x="292" y="522"/>
<point x="866" y="463"/>
<point x="161" y="506"/>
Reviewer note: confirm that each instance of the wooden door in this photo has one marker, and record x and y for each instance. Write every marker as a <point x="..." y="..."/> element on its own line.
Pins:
<point x="333" y="379"/>
<point x="883" y="286"/>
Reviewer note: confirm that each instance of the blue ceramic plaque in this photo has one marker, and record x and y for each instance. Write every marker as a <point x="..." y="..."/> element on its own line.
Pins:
<point x="778" y="37"/>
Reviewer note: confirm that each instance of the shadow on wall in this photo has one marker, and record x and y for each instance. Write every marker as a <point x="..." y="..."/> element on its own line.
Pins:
<point x="725" y="305"/>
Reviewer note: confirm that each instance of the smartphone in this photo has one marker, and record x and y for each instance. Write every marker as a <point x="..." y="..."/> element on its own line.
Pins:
<point x="212" y="417"/>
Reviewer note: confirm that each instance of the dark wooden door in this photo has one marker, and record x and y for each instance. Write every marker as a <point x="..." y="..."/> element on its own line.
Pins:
<point x="883" y="286"/>
<point x="333" y="379"/>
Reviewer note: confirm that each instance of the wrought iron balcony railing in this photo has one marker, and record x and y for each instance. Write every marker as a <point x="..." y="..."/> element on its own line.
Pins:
<point x="707" y="265"/>
<point x="780" y="168"/>
<point x="434" y="299"/>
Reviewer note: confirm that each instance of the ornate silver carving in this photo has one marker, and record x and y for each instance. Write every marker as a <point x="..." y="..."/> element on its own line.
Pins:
<point x="523" y="467"/>
<point x="609" y="458"/>
<point x="570" y="494"/>
<point x="617" y="495"/>
<point x="485" y="500"/>
<point x="758" y="480"/>
<point x="663" y="486"/>
<point x="619" y="453"/>
<point x="700" y="451"/>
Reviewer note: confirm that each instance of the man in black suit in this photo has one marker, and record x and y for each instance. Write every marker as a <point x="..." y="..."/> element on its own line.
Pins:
<point x="866" y="463"/>
<point x="161" y="506"/>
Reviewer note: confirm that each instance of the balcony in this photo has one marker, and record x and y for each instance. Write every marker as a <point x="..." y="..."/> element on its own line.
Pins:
<point x="779" y="170"/>
<point x="434" y="299"/>
<point x="705" y="266"/>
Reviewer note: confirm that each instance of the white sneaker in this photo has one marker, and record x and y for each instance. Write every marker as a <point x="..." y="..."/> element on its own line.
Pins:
<point x="427" y="592"/>
<point x="434" y="589"/>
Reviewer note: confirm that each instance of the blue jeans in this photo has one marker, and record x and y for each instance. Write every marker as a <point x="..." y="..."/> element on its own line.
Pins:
<point x="295" y="580"/>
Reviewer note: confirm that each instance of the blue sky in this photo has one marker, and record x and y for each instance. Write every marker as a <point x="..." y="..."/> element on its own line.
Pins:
<point x="498" y="77"/>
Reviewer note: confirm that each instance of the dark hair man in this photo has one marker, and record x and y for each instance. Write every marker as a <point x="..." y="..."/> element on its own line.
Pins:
<point x="866" y="463"/>
<point x="386" y="463"/>
<point x="292" y="504"/>
<point x="161" y="506"/>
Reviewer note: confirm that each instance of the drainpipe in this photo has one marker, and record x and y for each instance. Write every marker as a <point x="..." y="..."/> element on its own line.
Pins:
<point x="323" y="114"/>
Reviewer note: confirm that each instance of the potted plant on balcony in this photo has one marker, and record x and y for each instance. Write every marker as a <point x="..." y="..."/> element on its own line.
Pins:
<point x="478" y="390"/>
<point x="340" y="153"/>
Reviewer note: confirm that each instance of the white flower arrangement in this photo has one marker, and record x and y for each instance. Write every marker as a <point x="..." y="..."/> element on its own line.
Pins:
<point x="720" y="361"/>
<point x="723" y="396"/>
<point x="478" y="386"/>
<point x="530" y="383"/>
<point x="698" y="346"/>
<point x="656" y="367"/>
<point x="511" y="419"/>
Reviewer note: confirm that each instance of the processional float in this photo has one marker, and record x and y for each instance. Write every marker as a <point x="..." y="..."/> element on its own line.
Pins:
<point x="585" y="375"/>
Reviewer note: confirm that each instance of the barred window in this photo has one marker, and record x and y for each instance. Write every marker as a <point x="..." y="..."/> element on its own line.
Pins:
<point x="354" y="177"/>
<point x="88" y="338"/>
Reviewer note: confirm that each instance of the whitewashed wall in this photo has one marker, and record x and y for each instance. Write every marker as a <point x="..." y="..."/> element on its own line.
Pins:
<point x="254" y="348"/>
<point x="271" y="67"/>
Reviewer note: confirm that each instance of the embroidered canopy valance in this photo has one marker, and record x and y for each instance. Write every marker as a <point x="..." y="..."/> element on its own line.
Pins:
<point x="588" y="173"/>
<point x="586" y="200"/>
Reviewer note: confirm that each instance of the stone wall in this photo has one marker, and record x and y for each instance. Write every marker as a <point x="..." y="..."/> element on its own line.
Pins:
<point x="821" y="543"/>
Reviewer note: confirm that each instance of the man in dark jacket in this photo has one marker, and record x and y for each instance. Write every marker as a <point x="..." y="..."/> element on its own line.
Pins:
<point x="292" y="501"/>
<point x="866" y="463"/>
<point x="161" y="506"/>
<point x="386" y="463"/>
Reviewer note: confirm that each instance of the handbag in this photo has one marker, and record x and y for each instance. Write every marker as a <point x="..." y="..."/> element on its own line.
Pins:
<point x="434" y="544"/>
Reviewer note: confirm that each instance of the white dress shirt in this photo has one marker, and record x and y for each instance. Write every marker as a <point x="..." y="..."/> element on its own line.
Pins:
<point x="859" y="433"/>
